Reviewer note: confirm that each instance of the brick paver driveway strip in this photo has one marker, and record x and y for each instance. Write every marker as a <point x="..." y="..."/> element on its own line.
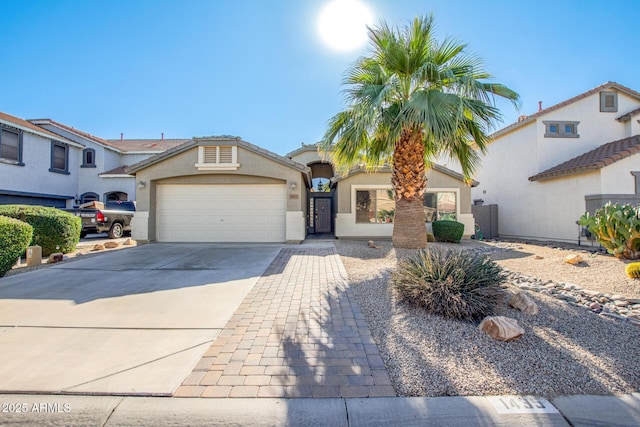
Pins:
<point x="298" y="333"/>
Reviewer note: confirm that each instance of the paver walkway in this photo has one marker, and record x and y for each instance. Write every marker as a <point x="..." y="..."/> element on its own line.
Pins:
<point x="298" y="333"/>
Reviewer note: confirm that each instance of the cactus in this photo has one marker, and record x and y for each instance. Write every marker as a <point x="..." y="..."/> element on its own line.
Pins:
<point x="617" y="228"/>
<point x="633" y="270"/>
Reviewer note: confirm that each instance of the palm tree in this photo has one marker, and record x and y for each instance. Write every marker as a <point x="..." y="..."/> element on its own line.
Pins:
<point x="413" y="99"/>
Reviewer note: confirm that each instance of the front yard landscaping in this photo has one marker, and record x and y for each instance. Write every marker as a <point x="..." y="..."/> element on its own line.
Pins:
<point x="567" y="347"/>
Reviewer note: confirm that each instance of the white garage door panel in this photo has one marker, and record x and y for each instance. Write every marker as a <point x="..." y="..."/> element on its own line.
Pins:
<point x="221" y="213"/>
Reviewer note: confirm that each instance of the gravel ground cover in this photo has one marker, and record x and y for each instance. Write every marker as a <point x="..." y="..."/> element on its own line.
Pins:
<point x="565" y="349"/>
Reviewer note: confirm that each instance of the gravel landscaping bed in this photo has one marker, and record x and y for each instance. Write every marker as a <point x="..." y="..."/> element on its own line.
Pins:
<point x="566" y="349"/>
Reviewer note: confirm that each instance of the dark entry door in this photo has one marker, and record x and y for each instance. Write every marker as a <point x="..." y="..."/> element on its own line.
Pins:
<point x="323" y="215"/>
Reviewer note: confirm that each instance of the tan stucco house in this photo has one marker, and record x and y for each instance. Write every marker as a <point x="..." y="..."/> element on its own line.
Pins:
<point x="224" y="189"/>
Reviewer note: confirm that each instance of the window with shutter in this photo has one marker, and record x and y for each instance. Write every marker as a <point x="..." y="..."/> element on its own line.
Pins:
<point x="218" y="157"/>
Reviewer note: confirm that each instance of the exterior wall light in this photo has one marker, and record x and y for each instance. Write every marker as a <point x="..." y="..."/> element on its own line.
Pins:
<point x="293" y="186"/>
<point x="142" y="184"/>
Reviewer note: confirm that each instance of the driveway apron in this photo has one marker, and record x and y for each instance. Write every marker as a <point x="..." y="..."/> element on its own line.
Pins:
<point x="133" y="321"/>
<point x="298" y="333"/>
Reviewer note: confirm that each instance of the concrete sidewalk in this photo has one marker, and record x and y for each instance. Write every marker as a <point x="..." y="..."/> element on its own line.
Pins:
<point x="383" y="411"/>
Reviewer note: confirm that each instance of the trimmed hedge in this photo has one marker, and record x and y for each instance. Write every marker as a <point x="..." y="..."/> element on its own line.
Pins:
<point x="54" y="230"/>
<point x="447" y="231"/>
<point x="15" y="236"/>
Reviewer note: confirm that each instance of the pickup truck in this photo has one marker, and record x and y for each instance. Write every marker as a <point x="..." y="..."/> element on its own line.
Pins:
<point x="112" y="217"/>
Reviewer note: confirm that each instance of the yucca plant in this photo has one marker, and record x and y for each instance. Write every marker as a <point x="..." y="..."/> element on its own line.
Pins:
<point x="458" y="284"/>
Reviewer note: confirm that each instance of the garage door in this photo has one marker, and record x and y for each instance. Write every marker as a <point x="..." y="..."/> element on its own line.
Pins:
<point x="221" y="213"/>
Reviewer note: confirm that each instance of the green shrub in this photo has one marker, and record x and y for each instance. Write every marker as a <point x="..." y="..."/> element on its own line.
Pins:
<point x="459" y="285"/>
<point x="15" y="236"/>
<point x="617" y="228"/>
<point x="447" y="231"/>
<point x="633" y="270"/>
<point x="54" y="230"/>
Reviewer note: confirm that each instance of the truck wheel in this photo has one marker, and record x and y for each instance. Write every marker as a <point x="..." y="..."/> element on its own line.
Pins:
<point x="116" y="231"/>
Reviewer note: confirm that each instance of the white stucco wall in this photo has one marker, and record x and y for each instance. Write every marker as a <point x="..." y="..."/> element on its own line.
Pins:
<point x="548" y="209"/>
<point x="617" y="179"/>
<point x="34" y="176"/>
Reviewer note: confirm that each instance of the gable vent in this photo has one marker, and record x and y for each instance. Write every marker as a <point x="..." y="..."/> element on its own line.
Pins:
<point x="218" y="158"/>
<point x="210" y="155"/>
<point x="226" y="155"/>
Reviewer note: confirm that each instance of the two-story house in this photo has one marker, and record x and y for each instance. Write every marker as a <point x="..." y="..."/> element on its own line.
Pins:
<point x="101" y="171"/>
<point x="44" y="162"/>
<point x="37" y="167"/>
<point x="546" y="170"/>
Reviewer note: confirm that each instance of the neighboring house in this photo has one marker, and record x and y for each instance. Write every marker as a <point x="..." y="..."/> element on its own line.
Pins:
<point x="44" y="162"/>
<point x="37" y="167"/>
<point x="101" y="171"/>
<point x="546" y="170"/>
<point x="224" y="189"/>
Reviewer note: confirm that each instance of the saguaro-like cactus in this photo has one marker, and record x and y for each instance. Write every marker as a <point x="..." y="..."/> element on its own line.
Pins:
<point x="617" y="228"/>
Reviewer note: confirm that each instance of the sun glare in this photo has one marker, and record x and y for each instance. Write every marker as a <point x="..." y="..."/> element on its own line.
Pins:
<point x="343" y="24"/>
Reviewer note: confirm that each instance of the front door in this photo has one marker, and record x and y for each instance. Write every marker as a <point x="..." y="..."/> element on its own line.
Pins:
<point x="322" y="215"/>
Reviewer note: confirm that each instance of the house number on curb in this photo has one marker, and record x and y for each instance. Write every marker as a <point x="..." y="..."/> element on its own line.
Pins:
<point x="522" y="405"/>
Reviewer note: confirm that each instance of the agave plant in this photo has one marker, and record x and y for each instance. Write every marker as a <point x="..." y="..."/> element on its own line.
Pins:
<point x="458" y="284"/>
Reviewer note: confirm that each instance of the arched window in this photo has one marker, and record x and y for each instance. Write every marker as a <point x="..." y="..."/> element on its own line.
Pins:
<point x="116" y="196"/>
<point x="88" y="158"/>
<point x="89" y="197"/>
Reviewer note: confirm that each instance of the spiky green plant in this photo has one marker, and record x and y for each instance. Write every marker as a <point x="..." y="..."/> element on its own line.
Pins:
<point x="458" y="284"/>
<point x="617" y="228"/>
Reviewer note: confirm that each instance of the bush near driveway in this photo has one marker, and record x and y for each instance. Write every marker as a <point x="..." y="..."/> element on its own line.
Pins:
<point x="54" y="230"/>
<point x="15" y="236"/>
<point x="461" y="285"/>
<point x="447" y="231"/>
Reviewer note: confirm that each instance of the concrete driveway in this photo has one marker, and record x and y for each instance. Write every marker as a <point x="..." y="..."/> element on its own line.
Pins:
<point x="133" y="321"/>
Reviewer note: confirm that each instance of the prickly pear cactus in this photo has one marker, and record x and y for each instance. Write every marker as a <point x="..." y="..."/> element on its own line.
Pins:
<point x="617" y="228"/>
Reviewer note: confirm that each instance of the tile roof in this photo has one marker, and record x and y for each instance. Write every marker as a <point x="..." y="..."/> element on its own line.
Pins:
<point x="387" y="168"/>
<point x="628" y="116"/>
<point x="70" y="129"/>
<point x="120" y="170"/>
<point x="528" y="119"/>
<point x="594" y="159"/>
<point x="149" y="145"/>
<point x="26" y="125"/>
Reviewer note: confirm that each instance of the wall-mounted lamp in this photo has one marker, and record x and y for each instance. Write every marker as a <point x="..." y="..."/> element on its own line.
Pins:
<point x="142" y="184"/>
<point x="293" y="186"/>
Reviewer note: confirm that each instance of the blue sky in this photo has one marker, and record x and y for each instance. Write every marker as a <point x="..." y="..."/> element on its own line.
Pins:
<point x="258" y="69"/>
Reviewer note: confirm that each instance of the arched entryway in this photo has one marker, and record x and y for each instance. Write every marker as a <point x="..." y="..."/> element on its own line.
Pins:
<point x="89" y="197"/>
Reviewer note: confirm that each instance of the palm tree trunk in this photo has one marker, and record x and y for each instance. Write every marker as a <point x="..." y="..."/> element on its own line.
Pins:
<point x="409" y="182"/>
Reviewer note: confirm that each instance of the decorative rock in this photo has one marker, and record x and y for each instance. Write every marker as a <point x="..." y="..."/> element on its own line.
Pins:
<point x="129" y="242"/>
<point x="56" y="257"/>
<point x="539" y="257"/>
<point x="590" y="293"/>
<point x="98" y="248"/>
<point x="634" y="301"/>
<point x="620" y="303"/>
<point x="501" y="328"/>
<point x="618" y="297"/>
<point x="372" y="244"/>
<point x="595" y="306"/>
<point x="111" y="245"/>
<point x="523" y="303"/>
<point x="573" y="259"/>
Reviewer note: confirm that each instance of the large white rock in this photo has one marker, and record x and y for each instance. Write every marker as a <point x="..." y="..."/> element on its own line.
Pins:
<point x="501" y="328"/>
<point x="573" y="259"/>
<point x="523" y="303"/>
